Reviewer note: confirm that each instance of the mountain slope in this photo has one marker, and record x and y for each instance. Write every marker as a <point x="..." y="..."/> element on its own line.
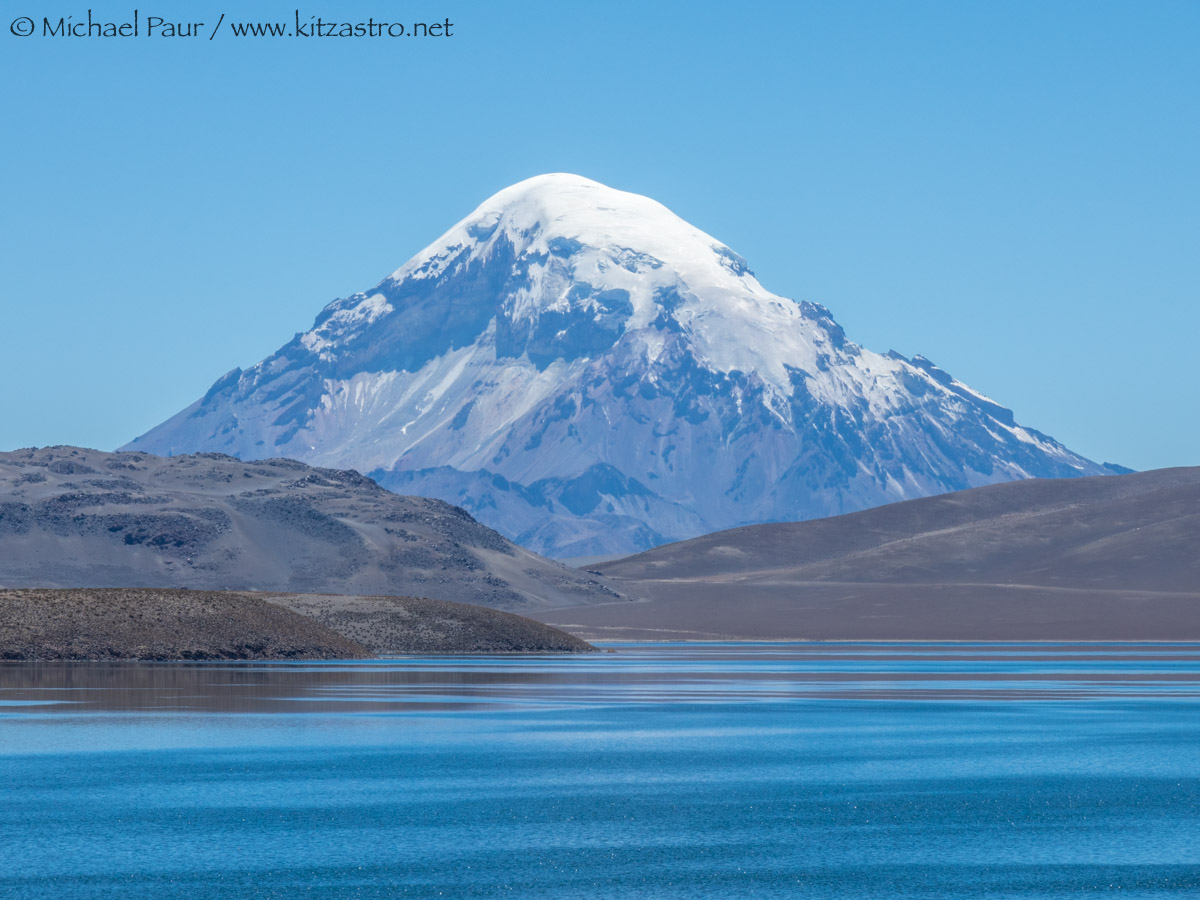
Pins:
<point x="1138" y="531"/>
<point x="589" y="374"/>
<point x="71" y="517"/>
<point x="1091" y="558"/>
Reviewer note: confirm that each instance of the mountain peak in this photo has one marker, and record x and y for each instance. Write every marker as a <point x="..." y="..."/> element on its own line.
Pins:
<point x="569" y="202"/>
<point x="551" y="188"/>
<point x="568" y="247"/>
<point x="589" y="374"/>
<point x="560" y="214"/>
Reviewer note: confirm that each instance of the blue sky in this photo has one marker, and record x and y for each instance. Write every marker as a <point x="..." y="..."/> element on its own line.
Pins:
<point x="1011" y="189"/>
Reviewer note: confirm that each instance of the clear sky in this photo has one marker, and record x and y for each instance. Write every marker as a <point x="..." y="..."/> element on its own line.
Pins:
<point x="1009" y="188"/>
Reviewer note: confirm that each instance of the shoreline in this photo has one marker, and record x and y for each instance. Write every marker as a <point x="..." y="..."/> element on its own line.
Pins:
<point x="96" y="625"/>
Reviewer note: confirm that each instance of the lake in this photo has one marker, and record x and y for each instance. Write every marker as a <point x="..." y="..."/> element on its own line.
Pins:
<point x="659" y="770"/>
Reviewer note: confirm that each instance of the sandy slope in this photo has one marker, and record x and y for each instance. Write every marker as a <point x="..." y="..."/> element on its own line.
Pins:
<point x="1111" y="558"/>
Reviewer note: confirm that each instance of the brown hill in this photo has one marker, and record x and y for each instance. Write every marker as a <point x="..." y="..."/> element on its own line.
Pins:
<point x="1110" y="558"/>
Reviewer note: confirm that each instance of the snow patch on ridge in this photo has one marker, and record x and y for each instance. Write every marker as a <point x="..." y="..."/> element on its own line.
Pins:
<point x="362" y="314"/>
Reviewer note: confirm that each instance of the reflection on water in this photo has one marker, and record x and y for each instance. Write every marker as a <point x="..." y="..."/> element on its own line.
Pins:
<point x="755" y="770"/>
<point x="735" y="672"/>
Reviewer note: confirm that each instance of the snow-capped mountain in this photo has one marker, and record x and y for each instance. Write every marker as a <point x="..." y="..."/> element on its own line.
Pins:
<point x="589" y="374"/>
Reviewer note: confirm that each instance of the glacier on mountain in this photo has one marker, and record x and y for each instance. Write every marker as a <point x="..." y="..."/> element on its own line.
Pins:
<point x="589" y="374"/>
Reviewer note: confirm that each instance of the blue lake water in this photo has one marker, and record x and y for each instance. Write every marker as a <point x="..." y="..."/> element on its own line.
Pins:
<point x="731" y="770"/>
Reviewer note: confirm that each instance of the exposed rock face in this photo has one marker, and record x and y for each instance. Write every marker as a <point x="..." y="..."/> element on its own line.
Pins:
<point x="71" y="517"/>
<point x="589" y="374"/>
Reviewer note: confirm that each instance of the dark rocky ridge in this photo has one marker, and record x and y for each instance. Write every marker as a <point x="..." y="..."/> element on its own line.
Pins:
<point x="1103" y="558"/>
<point x="72" y="517"/>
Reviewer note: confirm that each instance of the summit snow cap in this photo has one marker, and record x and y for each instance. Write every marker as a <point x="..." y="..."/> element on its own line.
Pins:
<point x="590" y="250"/>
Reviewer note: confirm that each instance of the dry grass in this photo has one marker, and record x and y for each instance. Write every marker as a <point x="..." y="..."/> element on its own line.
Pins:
<point x="160" y="624"/>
